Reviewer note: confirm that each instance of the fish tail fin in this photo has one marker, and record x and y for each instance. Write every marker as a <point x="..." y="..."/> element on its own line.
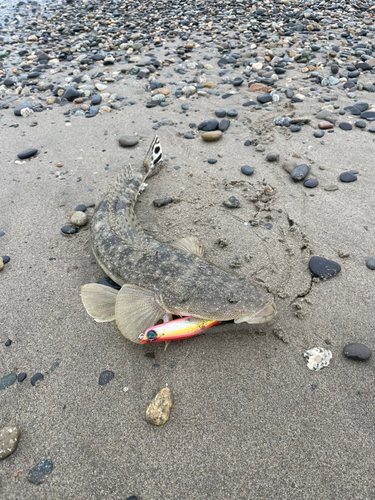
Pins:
<point x="99" y="301"/>
<point x="154" y="155"/>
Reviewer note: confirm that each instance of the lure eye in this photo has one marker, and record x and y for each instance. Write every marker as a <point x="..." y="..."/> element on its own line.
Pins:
<point x="151" y="335"/>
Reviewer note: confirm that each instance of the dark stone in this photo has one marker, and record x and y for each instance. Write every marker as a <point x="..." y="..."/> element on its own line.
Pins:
<point x="371" y="263"/>
<point x="323" y="268"/>
<point x="132" y="498"/>
<point x="347" y="177"/>
<point x="360" y="124"/>
<point x="212" y="161"/>
<point x="93" y="111"/>
<point x="232" y="203"/>
<point x="341" y="112"/>
<point x="311" y="183"/>
<point x="184" y="107"/>
<point x="1" y="233"/>
<point x="273" y="157"/>
<point x="232" y="113"/>
<point x="68" y="229"/>
<point x="319" y="133"/>
<point x="279" y="71"/>
<point x="368" y="115"/>
<point x="249" y="103"/>
<point x="237" y="81"/>
<point x="17" y="111"/>
<point x="289" y="93"/>
<point x="358" y="352"/>
<point x="300" y="172"/>
<point x="21" y="377"/>
<point x="71" y="93"/>
<point x="362" y="106"/>
<point x="96" y="100"/>
<point x="264" y="98"/>
<point x="8" y="82"/>
<point x="225" y="96"/>
<point x="247" y="170"/>
<point x="224" y="125"/>
<point x="80" y="208"/>
<point x="7" y="381"/>
<point x="7" y="343"/>
<point x="27" y="153"/>
<point x="162" y="202"/>
<point x="188" y="136"/>
<point x="364" y="66"/>
<point x="105" y="377"/>
<point x="295" y="128"/>
<point x="208" y="125"/>
<point x="296" y="99"/>
<point x="220" y="113"/>
<point x="334" y="69"/>
<point x="39" y="473"/>
<point x="107" y="281"/>
<point x="345" y="126"/>
<point x="35" y="378"/>
<point x="247" y="143"/>
<point x="5" y="258"/>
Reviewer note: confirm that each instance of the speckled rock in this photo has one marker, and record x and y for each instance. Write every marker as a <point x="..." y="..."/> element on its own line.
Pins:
<point x="159" y="409"/>
<point x="9" y="437"/>
<point x="40" y="472"/>
<point x="212" y="136"/>
<point x="79" y="218"/>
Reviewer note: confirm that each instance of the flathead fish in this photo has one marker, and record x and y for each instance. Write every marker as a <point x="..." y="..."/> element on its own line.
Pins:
<point x="157" y="279"/>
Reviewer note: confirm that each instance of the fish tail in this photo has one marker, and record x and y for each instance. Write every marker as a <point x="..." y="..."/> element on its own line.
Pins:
<point x="154" y="155"/>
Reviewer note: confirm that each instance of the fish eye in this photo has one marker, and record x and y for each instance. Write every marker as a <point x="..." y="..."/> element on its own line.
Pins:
<point x="151" y="335"/>
<point x="231" y="299"/>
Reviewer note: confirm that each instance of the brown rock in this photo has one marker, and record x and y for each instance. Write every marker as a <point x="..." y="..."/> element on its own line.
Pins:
<point x="85" y="107"/>
<point x="214" y="135"/>
<point x="78" y="100"/>
<point x="288" y="166"/>
<point x="163" y="91"/>
<point x="325" y="125"/>
<point x="159" y="409"/>
<point x="258" y="87"/>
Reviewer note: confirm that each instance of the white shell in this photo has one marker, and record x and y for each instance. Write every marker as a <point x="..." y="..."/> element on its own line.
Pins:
<point x="317" y="358"/>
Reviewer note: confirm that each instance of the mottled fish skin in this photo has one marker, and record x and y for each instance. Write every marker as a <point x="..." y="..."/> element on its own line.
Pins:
<point x="185" y="284"/>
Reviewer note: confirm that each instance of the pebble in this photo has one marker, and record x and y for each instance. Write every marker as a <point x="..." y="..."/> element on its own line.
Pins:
<point x="39" y="473"/>
<point x="232" y="202"/>
<point x="107" y="281"/>
<point x="295" y="128"/>
<point x="71" y="93"/>
<point x="96" y="100"/>
<point x="347" y="177"/>
<point x="9" y="437"/>
<point x="319" y="133"/>
<point x="212" y="136"/>
<point x="247" y="143"/>
<point x="224" y="125"/>
<point x="159" y="409"/>
<point x="264" y="98"/>
<point x="300" y="172"/>
<point x="27" y="153"/>
<point x="212" y="161"/>
<point x="79" y="218"/>
<point x="323" y="268"/>
<point x="358" y="352"/>
<point x="260" y="147"/>
<point x="162" y="202"/>
<point x="273" y="157"/>
<point x="105" y="377"/>
<point x="7" y="343"/>
<point x="325" y="125"/>
<point x="311" y="183"/>
<point x="1" y="264"/>
<point x="317" y="358"/>
<point x="81" y="208"/>
<point x="5" y="258"/>
<point x="7" y="381"/>
<point x="93" y="111"/>
<point x="288" y="166"/>
<point x="21" y="377"/>
<point x="38" y="377"/>
<point x="68" y="229"/>
<point x="220" y="113"/>
<point x="247" y="170"/>
<point x="345" y="126"/>
<point x="208" y="125"/>
<point x="371" y="263"/>
<point x="128" y="141"/>
<point x="188" y="136"/>
<point x="360" y="124"/>
<point x="232" y="113"/>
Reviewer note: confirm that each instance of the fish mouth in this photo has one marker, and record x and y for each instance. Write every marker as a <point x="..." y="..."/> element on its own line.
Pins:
<point x="266" y="314"/>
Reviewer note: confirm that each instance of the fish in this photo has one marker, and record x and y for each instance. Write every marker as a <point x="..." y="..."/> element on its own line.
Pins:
<point x="157" y="279"/>
<point x="177" y="329"/>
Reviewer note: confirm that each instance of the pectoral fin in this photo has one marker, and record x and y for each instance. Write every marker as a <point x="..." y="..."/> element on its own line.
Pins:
<point x="99" y="301"/>
<point x="189" y="245"/>
<point x="136" y="310"/>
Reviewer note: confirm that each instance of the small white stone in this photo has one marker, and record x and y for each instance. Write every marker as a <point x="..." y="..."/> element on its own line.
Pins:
<point x="79" y="218"/>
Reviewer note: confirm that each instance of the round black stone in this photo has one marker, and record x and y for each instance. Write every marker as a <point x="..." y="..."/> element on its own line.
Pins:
<point x="35" y="378"/>
<point x="220" y="113"/>
<point x="5" y="258"/>
<point x="232" y="113"/>
<point x="341" y="112"/>
<point x="347" y="177"/>
<point x="69" y="229"/>
<point x="318" y="133"/>
<point x="300" y="172"/>
<point x="7" y="343"/>
<point x="184" y="107"/>
<point x="264" y="98"/>
<point x="323" y="268"/>
<point x="27" y="153"/>
<point x="21" y="377"/>
<point x="311" y="183"/>
<point x="237" y="81"/>
<point x="247" y="143"/>
<point x="295" y="128"/>
<point x="247" y="170"/>
<point x="345" y="126"/>
<point x="212" y="161"/>
<point x="105" y="377"/>
<point x="358" y="352"/>
<point x="71" y="93"/>
<point x="96" y="100"/>
<point x="224" y="125"/>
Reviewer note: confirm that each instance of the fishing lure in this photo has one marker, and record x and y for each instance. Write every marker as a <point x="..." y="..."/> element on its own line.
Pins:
<point x="176" y="329"/>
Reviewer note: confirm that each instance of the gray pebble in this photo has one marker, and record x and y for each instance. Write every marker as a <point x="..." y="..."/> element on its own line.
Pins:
<point x="371" y="263"/>
<point x="128" y="141"/>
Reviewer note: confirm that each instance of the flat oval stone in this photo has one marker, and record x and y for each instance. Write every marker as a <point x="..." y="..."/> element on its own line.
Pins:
<point x="27" y="153"/>
<point x="105" y="377"/>
<point x="188" y="136"/>
<point x="220" y="113"/>
<point x="295" y="128"/>
<point x="347" y="177"/>
<point x="7" y="381"/>
<point x="345" y="126"/>
<point x="371" y="263"/>
<point x="264" y="98"/>
<point x="224" y="125"/>
<point x="325" y="125"/>
<point x="360" y="124"/>
<point x="232" y="113"/>
<point x="247" y="170"/>
<point x="162" y="202"/>
<point x="96" y="100"/>
<point x="319" y="133"/>
<point x="9" y="437"/>
<point x="247" y="143"/>
<point x="128" y="140"/>
<point x="358" y="352"/>
<point x="159" y="409"/>
<point x="323" y="268"/>
<point x="232" y="202"/>
<point x="300" y="172"/>
<point x="311" y="183"/>
<point x="208" y="125"/>
<point x="212" y="136"/>
<point x="40" y="471"/>
<point x="212" y="161"/>
<point x="80" y="208"/>
<point x="368" y="115"/>
<point x="21" y="377"/>
<point x="69" y="229"/>
<point x="38" y="377"/>
<point x="237" y="81"/>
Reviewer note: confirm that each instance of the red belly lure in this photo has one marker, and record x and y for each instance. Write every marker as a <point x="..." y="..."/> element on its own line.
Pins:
<point x="177" y="329"/>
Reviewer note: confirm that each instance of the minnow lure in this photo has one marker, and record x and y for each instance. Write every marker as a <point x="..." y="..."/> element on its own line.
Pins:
<point x="175" y="330"/>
